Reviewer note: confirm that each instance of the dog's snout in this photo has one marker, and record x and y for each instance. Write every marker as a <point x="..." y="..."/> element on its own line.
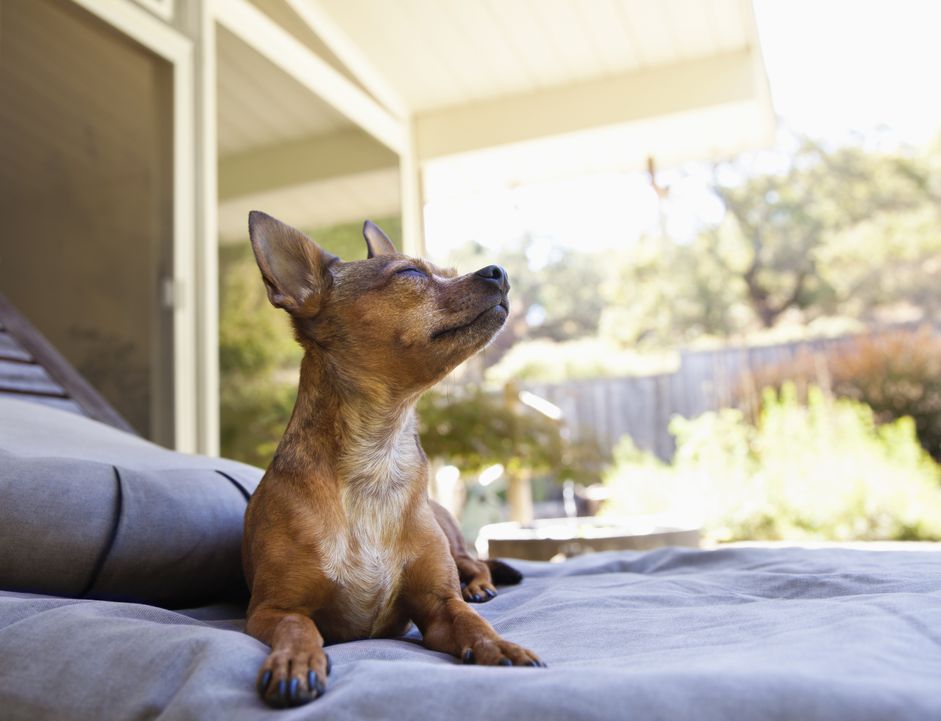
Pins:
<point x="495" y="274"/>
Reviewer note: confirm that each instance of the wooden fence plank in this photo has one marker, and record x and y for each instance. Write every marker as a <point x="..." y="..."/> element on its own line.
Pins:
<point x="607" y="409"/>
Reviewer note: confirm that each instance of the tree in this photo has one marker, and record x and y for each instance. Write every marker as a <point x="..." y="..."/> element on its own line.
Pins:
<point x="784" y="220"/>
<point x="662" y="293"/>
<point x="845" y="231"/>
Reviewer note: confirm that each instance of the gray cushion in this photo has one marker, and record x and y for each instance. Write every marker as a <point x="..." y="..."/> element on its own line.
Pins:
<point x="87" y="510"/>
<point x="740" y="634"/>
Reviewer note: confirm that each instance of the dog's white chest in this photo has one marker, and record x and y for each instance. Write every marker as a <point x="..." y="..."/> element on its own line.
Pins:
<point x="363" y="562"/>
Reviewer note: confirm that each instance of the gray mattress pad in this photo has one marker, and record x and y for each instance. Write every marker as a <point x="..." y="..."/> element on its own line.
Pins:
<point x="739" y="633"/>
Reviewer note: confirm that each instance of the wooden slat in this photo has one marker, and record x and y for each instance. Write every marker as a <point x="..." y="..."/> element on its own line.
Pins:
<point x="63" y="404"/>
<point x="11" y="350"/>
<point x="28" y="378"/>
<point x="59" y="369"/>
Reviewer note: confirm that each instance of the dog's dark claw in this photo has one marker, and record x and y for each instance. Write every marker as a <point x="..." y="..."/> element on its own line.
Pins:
<point x="317" y="687"/>
<point x="329" y="663"/>
<point x="504" y="662"/>
<point x="534" y="664"/>
<point x="282" y="689"/>
<point x="263" y="682"/>
<point x="475" y="598"/>
<point x="490" y="592"/>
<point x="468" y="656"/>
<point x="293" y="689"/>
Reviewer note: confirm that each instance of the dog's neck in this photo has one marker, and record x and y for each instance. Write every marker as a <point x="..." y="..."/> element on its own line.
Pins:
<point x="364" y="437"/>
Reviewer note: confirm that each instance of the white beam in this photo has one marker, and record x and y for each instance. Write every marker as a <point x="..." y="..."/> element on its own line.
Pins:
<point x="762" y="87"/>
<point x="603" y="102"/>
<point x="317" y="204"/>
<point x="710" y="133"/>
<point x="141" y="26"/>
<point x="350" y="54"/>
<point x="413" y="205"/>
<point x="163" y="8"/>
<point x="280" y="47"/>
<point x="297" y="162"/>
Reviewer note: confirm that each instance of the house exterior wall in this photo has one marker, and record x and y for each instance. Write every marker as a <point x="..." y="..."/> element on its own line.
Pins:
<point x="87" y="200"/>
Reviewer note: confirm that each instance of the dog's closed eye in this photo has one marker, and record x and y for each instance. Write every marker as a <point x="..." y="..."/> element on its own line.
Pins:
<point x="412" y="272"/>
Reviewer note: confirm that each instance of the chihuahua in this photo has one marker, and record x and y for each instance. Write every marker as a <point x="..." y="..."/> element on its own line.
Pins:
<point x="341" y="539"/>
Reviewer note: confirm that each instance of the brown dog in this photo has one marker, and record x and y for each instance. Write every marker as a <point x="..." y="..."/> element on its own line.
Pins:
<point x="341" y="540"/>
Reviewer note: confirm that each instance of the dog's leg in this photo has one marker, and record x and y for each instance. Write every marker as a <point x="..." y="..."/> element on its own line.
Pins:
<point x="476" y="582"/>
<point x="446" y="621"/>
<point x="296" y="670"/>
<point x="477" y="577"/>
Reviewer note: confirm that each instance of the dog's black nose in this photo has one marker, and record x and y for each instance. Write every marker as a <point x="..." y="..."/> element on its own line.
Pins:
<point x="495" y="274"/>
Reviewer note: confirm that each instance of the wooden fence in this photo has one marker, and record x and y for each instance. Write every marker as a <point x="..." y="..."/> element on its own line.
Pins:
<point x="607" y="409"/>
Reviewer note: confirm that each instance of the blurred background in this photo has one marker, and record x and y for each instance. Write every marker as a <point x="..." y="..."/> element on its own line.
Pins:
<point x="721" y="220"/>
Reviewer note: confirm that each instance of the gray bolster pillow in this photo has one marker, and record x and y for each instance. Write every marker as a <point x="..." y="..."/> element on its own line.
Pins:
<point x="89" y="511"/>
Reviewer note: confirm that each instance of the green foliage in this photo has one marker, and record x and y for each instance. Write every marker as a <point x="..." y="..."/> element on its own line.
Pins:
<point x="843" y="231"/>
<point x="478" y="429"/>
<point x="254" y="337"/>
<point x="820" y="470"/>
<point x="888" y="262"/>
<point x="897" y="374"/>
<point x="254" y="415"/>
<point x="663" y="294"/>
<point x="783" y="220"/>
<point x="255" y="345"/>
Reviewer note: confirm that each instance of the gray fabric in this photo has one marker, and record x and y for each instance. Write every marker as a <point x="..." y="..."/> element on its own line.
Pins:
<point x="88" y="510"/>
<point x="37" y="516"/>
<point x="31" y="430"/>
<point x="670" y="634"/>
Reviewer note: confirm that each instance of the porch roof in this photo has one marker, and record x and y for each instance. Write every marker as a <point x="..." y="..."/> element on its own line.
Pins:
<point x="488" y="92"/>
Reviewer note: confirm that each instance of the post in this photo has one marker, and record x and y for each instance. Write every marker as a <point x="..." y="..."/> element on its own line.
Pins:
<point x="519" y="492"/>
<point x="412" y="200"/>
<point x="197" y="19"/>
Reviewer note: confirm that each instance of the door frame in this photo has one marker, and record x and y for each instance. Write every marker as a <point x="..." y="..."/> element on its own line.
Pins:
<point x="192" y="416"/>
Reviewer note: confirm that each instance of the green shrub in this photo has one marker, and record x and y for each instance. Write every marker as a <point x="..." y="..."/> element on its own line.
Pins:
<point x="258" y="361"/>
<point x="823" y="469"/>
<point x="254" y="414"/>
<point x="476" y="429"/>
<point x="896" y="373"/>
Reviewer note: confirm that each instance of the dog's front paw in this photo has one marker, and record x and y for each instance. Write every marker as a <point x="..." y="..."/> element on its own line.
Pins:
<point x="487" y="652"/>
<point x="293" y="679"/>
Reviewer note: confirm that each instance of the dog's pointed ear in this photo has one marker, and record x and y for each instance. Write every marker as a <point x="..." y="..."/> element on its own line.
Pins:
<point x="294" y="268"/>
<point x="377" y="242"/>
